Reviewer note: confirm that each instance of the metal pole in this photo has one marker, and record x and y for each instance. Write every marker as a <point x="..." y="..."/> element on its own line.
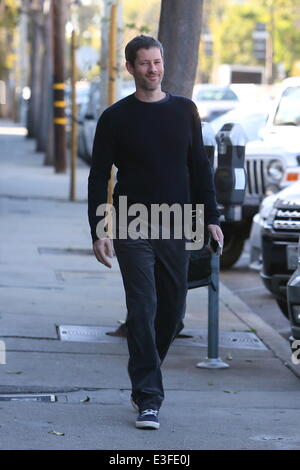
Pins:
<point x="73" y="120"/>
<point x="213" y="360"/>
<point x="213" y="308"/>
<point x="59" y="119"/>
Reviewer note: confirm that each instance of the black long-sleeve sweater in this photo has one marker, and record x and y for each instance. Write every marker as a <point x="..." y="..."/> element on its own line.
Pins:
<point x="158" y="150"/>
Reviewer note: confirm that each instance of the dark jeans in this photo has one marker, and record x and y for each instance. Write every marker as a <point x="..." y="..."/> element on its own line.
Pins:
<point x="154" y="274"/>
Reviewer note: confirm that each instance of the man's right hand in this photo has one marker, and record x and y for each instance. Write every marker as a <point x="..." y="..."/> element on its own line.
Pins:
<point x="103" y="250"/>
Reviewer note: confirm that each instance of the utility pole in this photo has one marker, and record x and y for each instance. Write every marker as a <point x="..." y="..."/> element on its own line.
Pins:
<point x="45" y="113"/>
<point x="59" y="119"/>
<point x="74" y="118"/>
<point x="270" y="45"/>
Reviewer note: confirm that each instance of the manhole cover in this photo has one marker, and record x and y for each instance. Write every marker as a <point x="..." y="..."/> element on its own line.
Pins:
<point x="88" y="334"/>
<point x="28" y="397"/>
<point x="65" y="251"/>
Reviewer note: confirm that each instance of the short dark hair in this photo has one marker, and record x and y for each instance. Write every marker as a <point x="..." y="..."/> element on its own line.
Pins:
<point x="141" y="42"/>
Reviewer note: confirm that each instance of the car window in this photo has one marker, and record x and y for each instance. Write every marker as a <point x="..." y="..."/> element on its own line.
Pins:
<point x="251" y="122"/>
<point x="216" y="95"/>
<point x="229" y="95"/>
<point x="288" y="111"/>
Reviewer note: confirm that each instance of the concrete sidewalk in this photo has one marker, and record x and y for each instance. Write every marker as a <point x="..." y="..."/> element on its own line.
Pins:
<point x="49" y="278"/>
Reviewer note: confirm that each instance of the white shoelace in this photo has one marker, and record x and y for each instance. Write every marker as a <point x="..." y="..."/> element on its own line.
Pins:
<point x="149" y="412"/>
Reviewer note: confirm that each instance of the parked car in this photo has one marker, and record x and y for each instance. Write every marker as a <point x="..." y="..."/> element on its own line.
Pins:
<point x="89" y="116"/>
<point x="252" y="117"/>
<point x="213" y="100"/>
<point x="82" y="96"/>
<point x="279" y="234"/>
<point x="258" y="222"/>
<point x="293" y="299"/>
<point x="272" y="163"/>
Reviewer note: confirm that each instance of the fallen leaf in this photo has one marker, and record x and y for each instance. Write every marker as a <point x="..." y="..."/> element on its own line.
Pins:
<point x="229" y="357"/>
<point x="14" y="372"/>
<point x="56" y="433"/>
<point x="84" y="400"/>
<point x="229" y="391"/>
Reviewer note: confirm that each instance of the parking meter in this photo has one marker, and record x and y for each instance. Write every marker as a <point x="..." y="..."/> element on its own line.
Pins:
<point x="293" y="299"/>
<point x="209" y="141"/>
<point x="204" y="270"/>
<point x="230" y="175"/>
<point x="200" y="260"/>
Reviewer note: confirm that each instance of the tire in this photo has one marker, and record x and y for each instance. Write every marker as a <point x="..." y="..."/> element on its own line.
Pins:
<point x="283" y="305"/>
<point x="232" y="250"/>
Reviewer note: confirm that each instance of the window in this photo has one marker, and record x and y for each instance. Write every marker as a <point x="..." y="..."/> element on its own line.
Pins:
<point x="288" y="111"/>
<point x="216" y="94"/>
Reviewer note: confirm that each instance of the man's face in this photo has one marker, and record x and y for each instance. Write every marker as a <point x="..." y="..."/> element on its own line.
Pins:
<point x="148" y="70"/>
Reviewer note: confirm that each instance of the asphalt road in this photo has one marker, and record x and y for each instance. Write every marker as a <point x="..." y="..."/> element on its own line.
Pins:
<point x="247" y="285"/>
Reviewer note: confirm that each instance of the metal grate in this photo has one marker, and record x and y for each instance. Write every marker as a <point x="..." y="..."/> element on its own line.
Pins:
<point x="287" y="219"/>
<point x="65" y="251"/>
<point x="28" y="397"/>
<point x="193" y="337"/>
<point x="88" y="334"/>
<point x="233" y="340"/>
<point x="79" y="275"/>
<point x="256" y="177"/>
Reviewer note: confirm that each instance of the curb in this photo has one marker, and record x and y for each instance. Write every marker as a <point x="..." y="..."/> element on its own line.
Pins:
<point x="278" y="345"/>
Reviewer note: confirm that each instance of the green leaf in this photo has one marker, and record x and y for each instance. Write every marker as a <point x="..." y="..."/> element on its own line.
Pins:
<point x="56" y="433"/>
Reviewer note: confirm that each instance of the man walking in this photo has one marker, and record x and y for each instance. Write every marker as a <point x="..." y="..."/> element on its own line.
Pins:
<point x="154" y="139"/>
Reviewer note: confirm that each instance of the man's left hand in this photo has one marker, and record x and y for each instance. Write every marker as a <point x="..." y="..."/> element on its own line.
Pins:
<point x="216" y="232"/>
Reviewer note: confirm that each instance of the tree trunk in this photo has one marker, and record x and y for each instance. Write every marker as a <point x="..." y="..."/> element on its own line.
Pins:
<point x="105" y="53"/>
<point x="179" y="33"/>
<point x="104" y="56"/>
<point x="23" y="64"/>
<point x="46" y="95"/>
<point x="35" y="75"/>
<point x="48" y="79"/>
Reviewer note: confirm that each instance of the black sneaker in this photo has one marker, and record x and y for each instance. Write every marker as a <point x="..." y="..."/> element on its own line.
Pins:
<point x="147" y="419"/>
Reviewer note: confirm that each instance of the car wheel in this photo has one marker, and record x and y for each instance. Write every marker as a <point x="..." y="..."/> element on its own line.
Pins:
<point x="283" y="305"/>
<point x="232" y="250"/>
